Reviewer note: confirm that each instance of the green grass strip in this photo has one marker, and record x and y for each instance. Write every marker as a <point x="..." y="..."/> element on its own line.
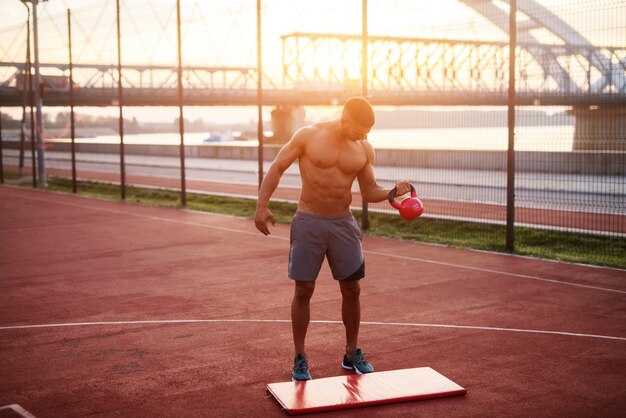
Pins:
<point x="557" y="245"/>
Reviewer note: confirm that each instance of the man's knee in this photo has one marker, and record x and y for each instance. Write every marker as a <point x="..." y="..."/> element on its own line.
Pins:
<point x="304" y="290"/>
<point x="350" y="289"/>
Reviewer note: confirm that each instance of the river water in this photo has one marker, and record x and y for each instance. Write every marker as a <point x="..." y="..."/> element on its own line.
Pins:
<point x="528" y="138"/>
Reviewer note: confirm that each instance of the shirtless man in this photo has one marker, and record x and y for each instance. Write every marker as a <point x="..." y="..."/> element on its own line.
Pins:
<point x="330" y="155"/>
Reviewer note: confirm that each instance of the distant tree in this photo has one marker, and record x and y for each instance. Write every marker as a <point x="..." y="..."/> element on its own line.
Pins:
<point x="47" y="120"/>
<point x="132" y="126"/>
<point x="8" y="122"/>
<point x="62" y="119"/>
<point x="195" y="126"/>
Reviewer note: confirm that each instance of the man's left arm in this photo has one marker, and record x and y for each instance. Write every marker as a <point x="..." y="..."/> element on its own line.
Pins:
<point x="371" y="191"/>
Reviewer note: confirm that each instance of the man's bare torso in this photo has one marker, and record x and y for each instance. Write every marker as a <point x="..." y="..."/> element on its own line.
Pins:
<point x="328" y="167"/>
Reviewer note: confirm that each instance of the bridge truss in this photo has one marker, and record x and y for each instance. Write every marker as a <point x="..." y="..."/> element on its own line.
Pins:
<point x="416" y="69"/>
<point x="96" y="85"/>
<point x="321" y="69"/>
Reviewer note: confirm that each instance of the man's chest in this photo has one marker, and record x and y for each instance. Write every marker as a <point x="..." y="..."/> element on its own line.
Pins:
<point x="349" y="158"/>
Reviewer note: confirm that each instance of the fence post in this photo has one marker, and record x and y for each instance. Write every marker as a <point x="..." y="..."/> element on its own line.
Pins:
<point x="29" y="81"/>
<point x="120" y="104"/>
<point x="259" y="90"/>
<point x="72" y="127"/>
<point x="25" y="98"/>
<point x="38" y="92"/>
<point x="510" y="170"/>
<point x="32" y="110"/>
<point x="32" y="126"/>
<point x="181" y="120"/>
<point x="365" y="222"/>
<point x="1" y="166"/>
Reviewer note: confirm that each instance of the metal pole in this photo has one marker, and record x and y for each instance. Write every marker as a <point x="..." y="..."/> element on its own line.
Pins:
<point x="24" y="97"/>
<point x="259" y="89"/>
<point x="72" y="131"/>
<point x="365" y="222"/>
<point x="38" y="89"/>
<point x="32" y="134"/>
<point x="1" y="165"/>
<point x="30" y="95"/>
<point x="32" y="126"/>
<point x="181" y="121"/>
<point x="120" y="104"/>
<point x="510" y="171"/>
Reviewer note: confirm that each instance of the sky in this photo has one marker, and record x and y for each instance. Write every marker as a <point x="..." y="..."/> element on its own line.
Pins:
<point x="223" y="33"/>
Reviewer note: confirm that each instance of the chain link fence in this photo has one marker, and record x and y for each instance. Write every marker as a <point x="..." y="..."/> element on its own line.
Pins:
<point x="437" y="76"/>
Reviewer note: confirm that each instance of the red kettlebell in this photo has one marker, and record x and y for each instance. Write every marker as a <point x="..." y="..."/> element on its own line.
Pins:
<point x="410" y="207"/>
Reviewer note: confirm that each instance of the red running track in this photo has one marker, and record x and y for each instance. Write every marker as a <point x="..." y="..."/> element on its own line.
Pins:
<point x="115" y="309"/>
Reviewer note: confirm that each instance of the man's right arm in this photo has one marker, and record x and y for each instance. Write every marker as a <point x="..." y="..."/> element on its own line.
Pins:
<point x="286" y="156"/>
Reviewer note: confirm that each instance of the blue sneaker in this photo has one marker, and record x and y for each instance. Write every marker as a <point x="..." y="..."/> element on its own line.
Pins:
<point x="356" y="361"/>
<point x="300" y="369"/>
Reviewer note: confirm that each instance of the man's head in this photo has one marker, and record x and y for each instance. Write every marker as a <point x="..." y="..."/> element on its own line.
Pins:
<point x="357" y="119"/>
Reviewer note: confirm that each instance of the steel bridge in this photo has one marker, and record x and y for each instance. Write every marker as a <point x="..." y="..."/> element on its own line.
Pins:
<point x="319" y="69"/>
<point x="323" y="69"/>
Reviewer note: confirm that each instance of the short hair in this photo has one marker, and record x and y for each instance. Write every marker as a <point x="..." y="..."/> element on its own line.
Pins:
<point x="360" y="110"/>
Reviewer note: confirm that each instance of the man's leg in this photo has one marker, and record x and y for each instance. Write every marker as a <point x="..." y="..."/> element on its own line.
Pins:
<point x="300" y="313"/>
<point x="351" y="312"/>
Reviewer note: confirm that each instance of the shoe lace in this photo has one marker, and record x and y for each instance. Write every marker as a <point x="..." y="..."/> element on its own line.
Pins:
<point x="301" y="365"/>
<point x="359" y="358"/>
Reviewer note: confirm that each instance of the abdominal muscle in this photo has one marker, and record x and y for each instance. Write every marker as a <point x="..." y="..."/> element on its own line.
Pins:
<point x="325" y="191"/>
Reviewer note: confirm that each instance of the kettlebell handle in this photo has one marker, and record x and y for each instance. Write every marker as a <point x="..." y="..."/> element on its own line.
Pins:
<point x="392" y="196"/>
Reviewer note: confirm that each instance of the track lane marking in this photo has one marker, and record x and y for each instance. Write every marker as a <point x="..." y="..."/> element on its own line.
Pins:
<point x="288" y="321"/>
<point x="481" y="269"/>
<point x="18" y="410"/>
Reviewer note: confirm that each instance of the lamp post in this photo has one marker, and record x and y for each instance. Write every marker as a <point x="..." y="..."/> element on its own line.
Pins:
<point x="41" y="169"/>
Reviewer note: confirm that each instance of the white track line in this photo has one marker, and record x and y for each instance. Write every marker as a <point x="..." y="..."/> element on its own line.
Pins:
<point x="484" y="270"/>
<point x="282" y="321"/>
<point x="18" y="410"/>
<point x="57" y="226"/>
<point x="418" y="259"/>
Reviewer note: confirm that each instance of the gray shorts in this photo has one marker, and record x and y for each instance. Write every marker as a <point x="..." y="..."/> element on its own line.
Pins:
<point x="314" y="237"/>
